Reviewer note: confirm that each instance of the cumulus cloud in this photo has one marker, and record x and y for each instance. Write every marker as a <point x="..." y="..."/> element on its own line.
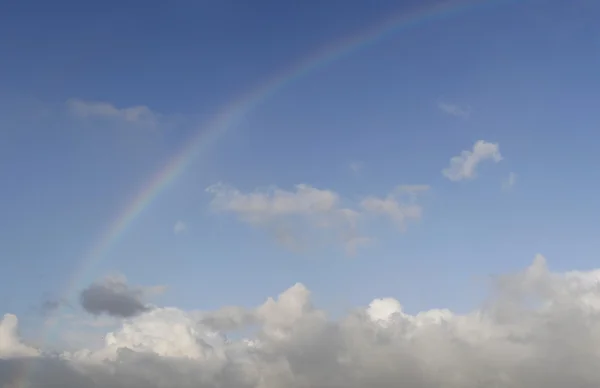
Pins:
<point x="139" y="114"/>
<point x="179" y="227"/>
<point x="511" y="342"/>
<point x="454" y="110"/>
<point x="113" y="296"/>
<point x="291" y="215"/>
<point x="464" y="166"/>
<point x="10" y="344"/>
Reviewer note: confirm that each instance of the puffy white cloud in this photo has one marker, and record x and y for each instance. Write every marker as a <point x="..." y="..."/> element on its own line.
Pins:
<point x="464" y="166"/>
<point x="228" y="318"/>
<point x="10" y="344"/>
<point x="512" y="342"/>
<point x="292" y="215"/>
<point x="454" y="110"/>
<point x="139" y="114"/>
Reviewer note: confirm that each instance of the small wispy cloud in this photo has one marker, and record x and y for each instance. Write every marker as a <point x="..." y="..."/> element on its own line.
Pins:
<point x="400" y="206"/>
<point x="179" y="227"/>
<point x="464" y="166"/>
<point x="510" y="181"/>
<point x="454" y="109"/>
<point x="139" y="114"/>
<point x="356" y="167"/>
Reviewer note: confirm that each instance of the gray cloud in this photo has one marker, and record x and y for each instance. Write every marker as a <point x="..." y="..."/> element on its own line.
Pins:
<point x="114" y="297"/>
<point x="228" y="318"/>
<point x="512" y="342"/>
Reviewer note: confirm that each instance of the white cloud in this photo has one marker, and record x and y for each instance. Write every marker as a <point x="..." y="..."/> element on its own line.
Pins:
<point x="308" y="213"/>
<point x="179" y="227"/>
<point x="396" y="208"/>
<point x="454" y="110"/>
<point x="510" y="343"/>
<point x="259" y="207"/>
<point x="10" y="344"/>
<point x="464" y="166"/>
<point x="510" y="181"/>
<point x="139" y="114"/>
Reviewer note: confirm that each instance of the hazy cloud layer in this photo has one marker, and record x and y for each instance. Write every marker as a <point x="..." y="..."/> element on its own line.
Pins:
<point x="113" y="296"/>
<point x="464" y="166"/>
<point x="308" y="214"/>
<point x="539" y="329"/>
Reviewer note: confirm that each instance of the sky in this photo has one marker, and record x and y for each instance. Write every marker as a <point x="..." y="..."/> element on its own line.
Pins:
<point x="230" y="191"/>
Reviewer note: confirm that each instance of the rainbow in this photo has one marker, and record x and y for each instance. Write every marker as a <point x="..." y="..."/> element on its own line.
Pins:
<point x="233" y="112"/>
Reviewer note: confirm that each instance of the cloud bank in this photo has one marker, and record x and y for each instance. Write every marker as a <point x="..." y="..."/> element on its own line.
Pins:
<point x="539" y="329"/>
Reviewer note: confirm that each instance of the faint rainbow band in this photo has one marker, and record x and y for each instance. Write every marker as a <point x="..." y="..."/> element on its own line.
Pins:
<point x="230" y="114"/>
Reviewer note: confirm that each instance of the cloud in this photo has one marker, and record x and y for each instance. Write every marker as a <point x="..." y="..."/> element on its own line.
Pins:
<point x="179" y="227"/>
<point x="454" y="110"/>
<point x="228" y="318"/>
<point x="113" y="296"/>
<point x="50" y="305"/>
<point x="259" y="207"/>
<point x="510" y="342"/>
<point x="10" y="344"/>
<point x="510" y="181"/>
<point x="304" y="215"/>
<point x="356" y="167"/>
<point x="464" y="166"/>
<point x="394" y="208"/>
<point x="139" y="114"/>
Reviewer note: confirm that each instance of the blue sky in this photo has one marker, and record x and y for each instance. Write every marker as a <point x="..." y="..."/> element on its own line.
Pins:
<point x="526" y="72"/>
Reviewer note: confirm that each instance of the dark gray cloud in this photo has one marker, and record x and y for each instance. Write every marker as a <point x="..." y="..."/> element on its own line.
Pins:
<point x="114" y="297"/>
